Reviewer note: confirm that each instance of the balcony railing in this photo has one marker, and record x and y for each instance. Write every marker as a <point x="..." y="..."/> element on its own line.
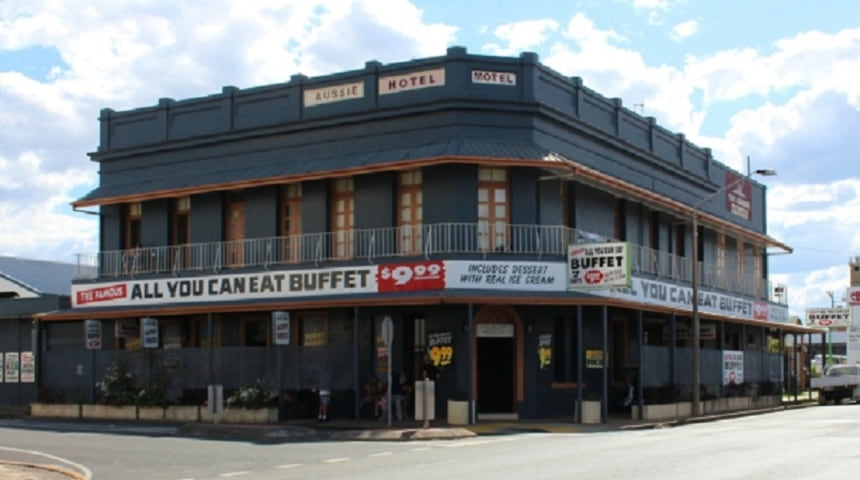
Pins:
<point x="532" y="242"/>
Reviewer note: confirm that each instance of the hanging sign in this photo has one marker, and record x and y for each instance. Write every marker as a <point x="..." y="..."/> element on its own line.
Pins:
<point x="93" y="334"/>
<point x="281" y="327"/>
<point x="598" y="265"/>
<point x="149" y="332"/>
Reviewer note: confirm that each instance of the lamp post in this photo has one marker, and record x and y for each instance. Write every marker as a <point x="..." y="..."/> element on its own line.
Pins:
<point x="694" y="284"/>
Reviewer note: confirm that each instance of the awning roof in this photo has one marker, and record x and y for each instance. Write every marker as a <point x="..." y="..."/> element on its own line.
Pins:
<point x="305" y="164"/>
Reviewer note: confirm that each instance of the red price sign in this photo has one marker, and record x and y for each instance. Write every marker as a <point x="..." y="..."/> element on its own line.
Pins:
<point x="410" y="277"/>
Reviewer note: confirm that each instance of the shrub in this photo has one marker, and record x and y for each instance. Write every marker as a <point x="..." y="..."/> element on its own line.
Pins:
<point x="252" y="396"/>
<point x="117" y="387"/>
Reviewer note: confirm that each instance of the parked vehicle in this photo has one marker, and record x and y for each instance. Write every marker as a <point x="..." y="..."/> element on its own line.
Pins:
<point x="838" y="382"/>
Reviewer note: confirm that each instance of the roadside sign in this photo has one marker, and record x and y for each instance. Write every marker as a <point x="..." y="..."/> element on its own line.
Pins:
<point x="93" y="334"/>
<point x="387" y="330"/>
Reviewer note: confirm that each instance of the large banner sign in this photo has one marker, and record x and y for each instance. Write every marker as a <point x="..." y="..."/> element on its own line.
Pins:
<point x="531" y="276"/>
<point x="593" y="269"/>
<point x="828" y="317"/>
<point x="599" y="265"/>
<point x="665" y="294"/>
<point x="228" y="287"/>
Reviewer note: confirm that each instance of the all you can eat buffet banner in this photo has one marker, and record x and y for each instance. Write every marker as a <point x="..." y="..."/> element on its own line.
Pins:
<point x="429" y="275"/>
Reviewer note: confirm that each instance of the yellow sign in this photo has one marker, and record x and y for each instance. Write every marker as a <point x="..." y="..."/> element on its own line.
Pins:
<point x="441" y="355"/>
<point x="545" y="350"/>
<point x="594" y="359"/>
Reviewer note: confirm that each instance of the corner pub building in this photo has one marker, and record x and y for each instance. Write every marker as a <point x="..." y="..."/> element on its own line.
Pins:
<point x="530" y="236"/>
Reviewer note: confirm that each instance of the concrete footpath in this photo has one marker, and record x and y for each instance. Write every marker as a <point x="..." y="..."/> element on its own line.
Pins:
<point x="368" y="430"/>
<point x="347" y="429"/>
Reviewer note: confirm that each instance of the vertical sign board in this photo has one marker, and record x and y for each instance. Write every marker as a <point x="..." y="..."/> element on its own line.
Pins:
<point x="149" y="332"/>
<point x="739" y="197"/>
<point x="93" y="334"/>
<point x="598" y="265"/>
<point x="11" y="367"/>
<point x="28" y="367"/>
<point x="281" y="327"/>
<point x="853" y="346"/>
<point x="733" y="367"/>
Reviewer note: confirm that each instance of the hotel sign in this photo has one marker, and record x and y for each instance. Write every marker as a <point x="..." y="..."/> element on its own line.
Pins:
<point x="494" y="78"/>
<point x="335" y="93"/>
<point x="412" y="81"/>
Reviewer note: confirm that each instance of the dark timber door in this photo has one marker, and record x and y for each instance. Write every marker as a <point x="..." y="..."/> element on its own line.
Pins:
<point x="495" y="374"/>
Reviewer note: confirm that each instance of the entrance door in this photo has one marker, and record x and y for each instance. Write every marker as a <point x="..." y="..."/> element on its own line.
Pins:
<point x="495" y="374"/>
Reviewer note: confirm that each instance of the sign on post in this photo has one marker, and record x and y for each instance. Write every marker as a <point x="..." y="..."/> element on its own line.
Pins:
<point x="281" y="327"/>
<point x="93" y="334"/>
<point x="149" y="332"/>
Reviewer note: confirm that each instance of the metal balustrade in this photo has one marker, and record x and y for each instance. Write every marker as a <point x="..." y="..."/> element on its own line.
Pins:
<point x="527" y="242"/>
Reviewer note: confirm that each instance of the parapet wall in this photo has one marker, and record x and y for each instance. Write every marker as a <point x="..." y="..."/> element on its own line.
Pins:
<point x="381" y="89"/>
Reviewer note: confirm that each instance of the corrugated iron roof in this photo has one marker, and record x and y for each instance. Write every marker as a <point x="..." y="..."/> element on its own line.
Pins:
<point x="38" y="276"/>
<point x="311" y="162"/>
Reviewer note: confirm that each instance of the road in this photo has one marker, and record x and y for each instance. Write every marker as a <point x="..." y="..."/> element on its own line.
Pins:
<point x="808" y="443"/>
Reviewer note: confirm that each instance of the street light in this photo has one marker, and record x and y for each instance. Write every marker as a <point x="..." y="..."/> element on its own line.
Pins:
<point x="694" y="282"/>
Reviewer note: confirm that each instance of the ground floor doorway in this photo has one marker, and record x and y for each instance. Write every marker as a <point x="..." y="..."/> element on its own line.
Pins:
<point x="495" y="368"/>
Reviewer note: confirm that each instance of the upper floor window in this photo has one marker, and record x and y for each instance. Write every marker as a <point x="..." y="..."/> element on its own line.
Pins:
<point x="758" y="270"/>
<point x="342" y="217"/>
<point x="721" y="256"/>
<point x="654" y="230"/>
<point x="181" y="223"/>
<point x="234" y="229"/>
<point x="493" y="208"/>
<point x="180" y="231"/>
<point x="290" y="226"/>
<point x="132" y="225"/>
<point x="621" y="219"/>
<point x="741" y="253"/>
<point x="410" y="203"/>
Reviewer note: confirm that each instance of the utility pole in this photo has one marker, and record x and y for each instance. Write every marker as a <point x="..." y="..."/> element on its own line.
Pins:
<point x="829" y="358"/>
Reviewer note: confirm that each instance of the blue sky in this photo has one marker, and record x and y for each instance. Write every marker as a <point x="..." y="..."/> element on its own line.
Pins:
<point x="775" y="81"/>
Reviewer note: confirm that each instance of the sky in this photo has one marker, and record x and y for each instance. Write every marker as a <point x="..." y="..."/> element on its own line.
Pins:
<point x="769" y="82"/>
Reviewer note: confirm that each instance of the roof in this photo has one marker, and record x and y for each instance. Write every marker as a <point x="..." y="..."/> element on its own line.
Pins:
<point x="310" y="161"/>
<point x="38" y="276"/>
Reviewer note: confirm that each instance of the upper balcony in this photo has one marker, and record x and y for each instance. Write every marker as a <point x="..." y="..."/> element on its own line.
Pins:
<point x="534" y="242"/>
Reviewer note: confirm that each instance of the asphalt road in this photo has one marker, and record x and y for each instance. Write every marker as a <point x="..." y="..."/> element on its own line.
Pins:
<point x="808" y="443"/>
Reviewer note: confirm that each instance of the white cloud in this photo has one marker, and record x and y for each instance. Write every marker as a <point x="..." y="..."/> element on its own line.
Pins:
<point x="125" y="55"/>
<point x="652" y="4"/>
<point x="684" y="30"/>
<point x="521" y="36"/>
